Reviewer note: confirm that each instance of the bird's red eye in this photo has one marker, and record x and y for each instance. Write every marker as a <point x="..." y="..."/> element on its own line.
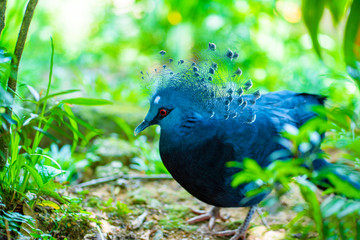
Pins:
<point x="163" y="112"/>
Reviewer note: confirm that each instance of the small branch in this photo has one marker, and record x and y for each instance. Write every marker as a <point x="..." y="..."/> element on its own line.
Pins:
<point x="139" y="220"/>
<point x="7" y="230"/>
<point x="2" y="14"/>
<point x="115" y="177"/>
<point x="100" y="233"/>
<point x="151" y="177"/>
<point x="20" y="43"/>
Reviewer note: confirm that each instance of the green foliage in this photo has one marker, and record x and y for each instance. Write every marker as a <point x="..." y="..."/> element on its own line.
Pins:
<point x="13" y="221"/>
<point x="118" y="209"/>
<point x="115" y="209"/>
<point x="71" y="220"/>
<point x="337" y="215"/>
<point x="31" y="162"/>
<point x="312" y="13"/>
<point x="28" y="169"/>
<point x="351" y="42"/>
<point x="149" y="159"/>
<point x="174" y="218"/>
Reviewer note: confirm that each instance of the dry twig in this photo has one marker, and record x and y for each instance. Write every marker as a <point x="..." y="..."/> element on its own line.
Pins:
<point x="139" y="220"/>
<point x="115" y="177"/>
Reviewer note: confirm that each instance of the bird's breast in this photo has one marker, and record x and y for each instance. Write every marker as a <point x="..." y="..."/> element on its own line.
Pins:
<point x="200" y="167"/>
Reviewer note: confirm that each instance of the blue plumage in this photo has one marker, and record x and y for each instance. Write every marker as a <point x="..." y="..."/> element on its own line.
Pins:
<point x="209" y="117"/>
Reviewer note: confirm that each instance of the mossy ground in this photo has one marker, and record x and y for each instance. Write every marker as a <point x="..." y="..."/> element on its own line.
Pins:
<point x="167" y="206"/>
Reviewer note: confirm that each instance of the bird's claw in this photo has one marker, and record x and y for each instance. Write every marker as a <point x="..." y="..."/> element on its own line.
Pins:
<point x="212" y="215"/>
<point x="237" y="234"/>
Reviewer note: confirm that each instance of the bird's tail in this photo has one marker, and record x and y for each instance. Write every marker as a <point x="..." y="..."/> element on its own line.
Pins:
<point x="340" y="178"/>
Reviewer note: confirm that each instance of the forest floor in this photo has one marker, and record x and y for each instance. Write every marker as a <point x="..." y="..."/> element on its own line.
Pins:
<point x="159" y="210"/>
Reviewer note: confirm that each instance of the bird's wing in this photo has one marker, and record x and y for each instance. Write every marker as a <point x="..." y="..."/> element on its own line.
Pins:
<point x="286" y="107"/>
<point x="288" y="99"/>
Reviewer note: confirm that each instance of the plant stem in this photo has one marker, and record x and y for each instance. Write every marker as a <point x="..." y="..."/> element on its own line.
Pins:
<point x="20" y="43"/>
<point x="38" y="135"/>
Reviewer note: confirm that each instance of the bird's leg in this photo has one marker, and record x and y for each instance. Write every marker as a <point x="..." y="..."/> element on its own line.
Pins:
<point x="212" y="215"/>
<point x="239" y="233"/>
<point x="263" y="219"/>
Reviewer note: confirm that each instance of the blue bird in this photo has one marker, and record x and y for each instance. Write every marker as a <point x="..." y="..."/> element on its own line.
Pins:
<point x="208" y="118"/>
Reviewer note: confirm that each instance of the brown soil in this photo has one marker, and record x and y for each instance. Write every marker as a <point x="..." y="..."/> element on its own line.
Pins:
<point x="168" y="207"/>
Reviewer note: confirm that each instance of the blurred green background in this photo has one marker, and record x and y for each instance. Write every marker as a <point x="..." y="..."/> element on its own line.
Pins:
<point x="101" y="46"/>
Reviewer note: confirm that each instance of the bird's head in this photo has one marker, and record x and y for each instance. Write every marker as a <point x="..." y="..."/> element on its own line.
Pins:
<point x="167" y="107"/>
<point x="207" y="87"/>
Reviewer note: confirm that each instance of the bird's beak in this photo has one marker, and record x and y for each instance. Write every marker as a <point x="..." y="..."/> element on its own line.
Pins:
<point x="141" y="127"/>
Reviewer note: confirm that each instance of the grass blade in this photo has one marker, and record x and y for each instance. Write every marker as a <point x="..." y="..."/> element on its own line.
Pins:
<point x="86" y="101"/>
<point x="352" y="42"/>
<point x="312" y="12"/>
<point x="58" y="94"/>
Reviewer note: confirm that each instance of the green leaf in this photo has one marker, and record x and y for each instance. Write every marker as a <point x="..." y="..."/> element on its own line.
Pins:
<point x="60" y="131"/>
<point x="234" y="164"/>
<point x="32" y="117"/>
<point x="6" y="99"/>
<point x="12" y="217"/>
<point x="74" y="130"/>
<point x="33" y="92"/>
<point x="48" y="173"/>
<point x="5" y="60"/>
<point x="8" y="118"/>
<point x="51" y="159"/>
<point x="349" y="207"/>
<point x="332" y="206"/>
<point x="47" y="134"/>
<point x="81" y="122"/>
<point x="73" y="123"/>
<point x="59" y="93"/>
<point x="312" y="12"/>
<point x="47" y="203"/>
<point x="337" y="9"/>
<point x="251" y="172"/>
<point x="308" y="192"/>
<point x="340" y="185"/>
<point x="352" y="42"/>
<point x="35" y="174"/>
<point x="49" y="191"/>
<point x="86" y="101"/>
<point x="126" y="128"/>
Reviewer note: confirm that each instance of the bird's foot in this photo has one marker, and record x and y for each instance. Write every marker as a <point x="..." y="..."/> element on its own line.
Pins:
<point x="237" y="234"/>
<point x="212" y="215"/>
<point x="263" y="219"/>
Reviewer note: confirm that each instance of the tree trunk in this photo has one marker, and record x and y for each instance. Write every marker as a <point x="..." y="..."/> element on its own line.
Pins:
<point x="3" y="145"/>
<point x="2" y="15"/>
<point x="20" y="43"/>
<point x="12" y="83"/>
